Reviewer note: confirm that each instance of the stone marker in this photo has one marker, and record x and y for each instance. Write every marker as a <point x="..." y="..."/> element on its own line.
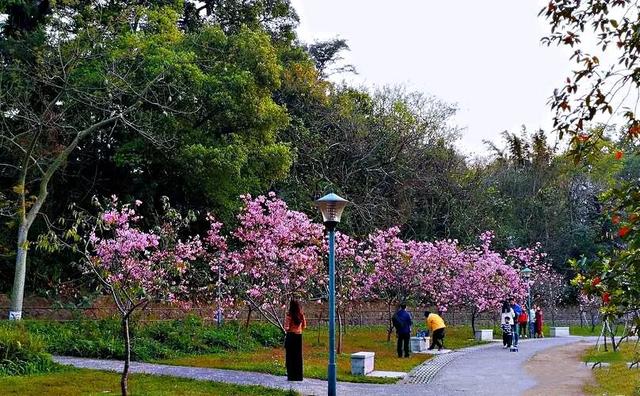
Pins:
<point x="559" y="331"/>
<point x="362" y="363"/>
<point x="484" y="335"/>
<point x="387" y="374"/>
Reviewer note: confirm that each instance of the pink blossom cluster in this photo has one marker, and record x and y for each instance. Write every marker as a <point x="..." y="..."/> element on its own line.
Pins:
<point x="440" y="273"/>
<point x="279" y="253"/>
<point x="278" y="256"/>
<point x="487" y="279"/>
<point x="138" y="265"/>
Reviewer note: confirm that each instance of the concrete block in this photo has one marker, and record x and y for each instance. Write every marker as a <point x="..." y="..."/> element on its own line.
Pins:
<point x="362" y="363"/>
<point x="559" y="331"/>
<point x="419" y="344"/>
<point x="484" y="335"/>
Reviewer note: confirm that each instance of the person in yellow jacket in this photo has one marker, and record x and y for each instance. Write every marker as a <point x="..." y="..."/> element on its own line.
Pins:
<point x="436" y="327"/>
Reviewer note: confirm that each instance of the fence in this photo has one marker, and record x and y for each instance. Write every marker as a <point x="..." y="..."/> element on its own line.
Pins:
<point x="359" y="315"/>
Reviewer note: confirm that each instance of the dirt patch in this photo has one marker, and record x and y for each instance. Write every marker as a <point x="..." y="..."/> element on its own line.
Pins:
<point x="559" y="371"/>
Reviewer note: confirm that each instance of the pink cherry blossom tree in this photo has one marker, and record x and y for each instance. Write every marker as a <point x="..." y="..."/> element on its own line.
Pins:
<point x="392" y="275"/>
<point x="486" y="280"/>
<point x="548" y="287"/>
<point x="137" y="266"/>
<point x="440" y="263"/>
<point x="278" y="256"/>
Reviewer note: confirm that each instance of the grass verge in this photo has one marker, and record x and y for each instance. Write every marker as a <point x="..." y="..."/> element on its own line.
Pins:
<point x="616" y="379"/>
<point x="72" y="382"/>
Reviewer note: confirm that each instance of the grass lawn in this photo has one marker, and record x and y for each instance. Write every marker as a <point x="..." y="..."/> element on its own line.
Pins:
<point x="371" y="339"/>
<point x="70" y="382"/>
<point x="616" y="379"/>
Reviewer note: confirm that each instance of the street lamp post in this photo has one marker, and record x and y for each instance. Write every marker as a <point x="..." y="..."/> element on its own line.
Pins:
<point x="332" y="206"/>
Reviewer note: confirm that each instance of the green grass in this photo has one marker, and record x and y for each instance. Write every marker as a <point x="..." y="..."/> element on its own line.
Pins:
<point x="371" y="339"/>
<point x="71" y="382"/>
<point x="586" y="330"/>
<point x="616" y="379"/>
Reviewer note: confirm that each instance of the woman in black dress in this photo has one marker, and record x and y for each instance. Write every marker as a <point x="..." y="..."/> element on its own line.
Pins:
<point x="294" y="324"/>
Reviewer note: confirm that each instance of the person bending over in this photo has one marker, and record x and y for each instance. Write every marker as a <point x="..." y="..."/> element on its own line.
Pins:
<point x="436" y="327"/>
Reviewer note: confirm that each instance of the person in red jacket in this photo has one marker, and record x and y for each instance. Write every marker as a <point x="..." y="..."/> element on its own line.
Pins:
<point x="523" y="320"/>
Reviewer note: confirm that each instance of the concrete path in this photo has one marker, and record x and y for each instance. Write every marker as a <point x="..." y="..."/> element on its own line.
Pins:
<point x="486" y="370"/>
<point x="494" y="370"/>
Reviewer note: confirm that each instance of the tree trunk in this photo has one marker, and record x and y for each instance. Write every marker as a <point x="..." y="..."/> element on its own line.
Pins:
<point x="319" y="324"/>
<point x="340" y="331"/>
<point x="390" y="329"/>
<point x="124" y="381"/>
<point x="17" y="293"/>
<point x="246" y="324"/>
<point x="345" y="323"/>
<point x="28" y="217"/>
<point x="613" y="338"/>
<point x="474" y="313"/>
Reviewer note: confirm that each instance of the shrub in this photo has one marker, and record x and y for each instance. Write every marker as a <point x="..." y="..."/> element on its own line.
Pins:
<point x="150" y="341"/>
<point x="266" y="334"/>
<point x="22" y="353"/>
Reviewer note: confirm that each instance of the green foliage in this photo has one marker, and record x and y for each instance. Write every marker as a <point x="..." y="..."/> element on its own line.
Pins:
<point x="151" y="341"/>
<point x="23" y="353"/>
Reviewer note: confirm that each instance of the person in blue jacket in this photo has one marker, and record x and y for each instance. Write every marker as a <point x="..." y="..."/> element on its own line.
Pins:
<point x="402" y="322"/>
<point x="517" y="310"/>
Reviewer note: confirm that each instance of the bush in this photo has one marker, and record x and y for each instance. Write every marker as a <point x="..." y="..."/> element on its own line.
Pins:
<point x="149" y="341"/>
<point x="23" y="353"/>
<point x="266" y="335"/>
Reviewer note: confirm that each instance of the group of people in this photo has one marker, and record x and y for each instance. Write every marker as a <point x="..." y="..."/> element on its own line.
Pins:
<point x="520" y="321"/>
<point x="295" y="323"/>
<point x="402" y="322"/>
<point x="515" y="321"/>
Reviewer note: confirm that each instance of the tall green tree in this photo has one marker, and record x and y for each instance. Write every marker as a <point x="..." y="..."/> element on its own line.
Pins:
<point x="139" y="91"/>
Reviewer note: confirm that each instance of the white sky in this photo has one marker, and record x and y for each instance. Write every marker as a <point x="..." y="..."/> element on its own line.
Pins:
<point x="485" y="56"/>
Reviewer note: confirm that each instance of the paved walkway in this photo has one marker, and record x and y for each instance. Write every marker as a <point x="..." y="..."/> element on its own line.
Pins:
<point x="484" y="370"/>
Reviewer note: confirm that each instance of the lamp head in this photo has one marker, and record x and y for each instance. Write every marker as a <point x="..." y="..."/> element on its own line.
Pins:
<point x="331" y="206"/>
<point x="526" y="272"/>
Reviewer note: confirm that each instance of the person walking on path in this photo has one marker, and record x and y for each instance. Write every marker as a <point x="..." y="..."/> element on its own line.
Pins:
<point x="539" y="322"/>
<point x="523" y="322"/>
<point x="402" y="321"/>
<point x="517" y="310"/>
<point x="507" y="312"/>
<point x="294" y="324"/>
<point x="532" y="321"/>
<point x="436" y="327"/>
<point x="507" y="332"/>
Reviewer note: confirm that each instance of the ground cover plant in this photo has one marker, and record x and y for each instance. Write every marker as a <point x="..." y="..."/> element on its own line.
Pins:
<point x="23" y="353"/>
<point x="150" y="340"/>
<point x="72" y="382"/>
<point x="616" y="379"/>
